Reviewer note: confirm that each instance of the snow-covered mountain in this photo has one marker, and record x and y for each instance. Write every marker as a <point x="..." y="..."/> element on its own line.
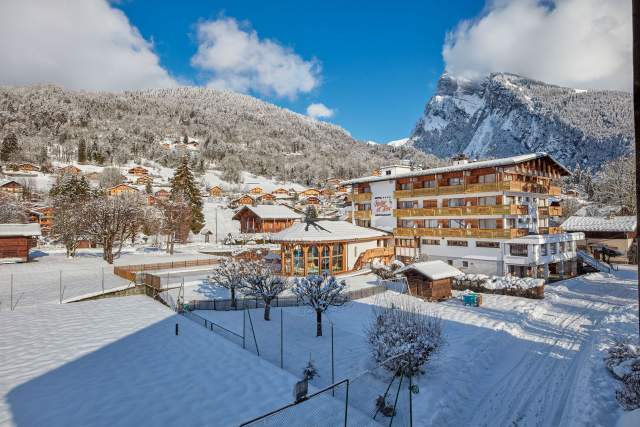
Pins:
<point x="506" y="114"/>
<point x="398" y="142"/>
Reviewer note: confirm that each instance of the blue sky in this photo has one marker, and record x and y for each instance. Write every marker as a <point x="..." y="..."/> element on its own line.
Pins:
<point x="379" y="61"/>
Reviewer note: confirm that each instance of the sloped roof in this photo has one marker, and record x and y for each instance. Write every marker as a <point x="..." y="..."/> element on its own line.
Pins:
<point x="25" y="230"/>
<point x="599" y="223"/>
<point x="325" y="230"/>
<point x="505" y="161"/>
<point x="271" y="212"/>
<point x="434" y="270"/>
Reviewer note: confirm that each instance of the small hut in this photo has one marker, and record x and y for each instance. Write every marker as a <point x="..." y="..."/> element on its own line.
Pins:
<point x="431" y="279"/>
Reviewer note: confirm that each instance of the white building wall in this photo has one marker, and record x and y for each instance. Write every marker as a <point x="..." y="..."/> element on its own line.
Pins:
<point x="478" y="260"/>
<point x="380" y="217"/>
<point x="355" y="249"/>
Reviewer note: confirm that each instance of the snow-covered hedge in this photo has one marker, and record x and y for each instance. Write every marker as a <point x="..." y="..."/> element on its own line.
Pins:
<point x="403" y="336"/>
<point x="623" y="361"/>
<point x="503" y="285"/>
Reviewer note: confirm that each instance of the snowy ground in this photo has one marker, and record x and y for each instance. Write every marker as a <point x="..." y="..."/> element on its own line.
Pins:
<point x="513" y="361"/>
<point x="118" y="362"/>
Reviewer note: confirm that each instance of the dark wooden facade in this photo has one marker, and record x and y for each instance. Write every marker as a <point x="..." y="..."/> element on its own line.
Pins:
<point x="250" y="222"/>
<point x="16" y="247"/>
<point x="423" y="287"/>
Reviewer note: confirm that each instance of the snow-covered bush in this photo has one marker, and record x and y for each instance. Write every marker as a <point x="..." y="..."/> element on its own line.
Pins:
<point x="403" y="335"/>
<point x="623" y="361"/>
<point x="319" y="293"/>
<point x="260" y="281"/>
<point x="506" y="285"/>
<point x="386" y="272"/>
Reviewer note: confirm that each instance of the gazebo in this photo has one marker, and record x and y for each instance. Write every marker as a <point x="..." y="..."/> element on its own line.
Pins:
<point x="323" y="246"/>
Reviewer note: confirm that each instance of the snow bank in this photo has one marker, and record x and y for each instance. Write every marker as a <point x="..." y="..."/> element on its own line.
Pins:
<point x="504" y="285"/>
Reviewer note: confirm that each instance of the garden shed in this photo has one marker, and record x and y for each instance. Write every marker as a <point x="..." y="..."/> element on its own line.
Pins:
<point x="431" y="279"/>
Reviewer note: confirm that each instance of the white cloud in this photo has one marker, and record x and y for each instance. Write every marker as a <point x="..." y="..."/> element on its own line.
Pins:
<point x="79" y="44"/>
<point x="575" y="43"/>
<point x="319" y="111"/>
<point x="238" y="60"/>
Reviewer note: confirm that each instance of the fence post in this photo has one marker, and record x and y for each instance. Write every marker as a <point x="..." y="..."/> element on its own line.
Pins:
<point x="244" y="321"/>
<point x="11" y="300"/>
<point x="103" y="280"/>
<point x="346" y="405"/>
<point x="60" y="286"/>
<point x="281" y="342"/>
<point x="410" y="394"/>
<point x="333" y="379"/>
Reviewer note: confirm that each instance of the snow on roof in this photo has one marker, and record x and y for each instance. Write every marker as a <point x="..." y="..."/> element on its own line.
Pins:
<point x="271" y="212"/>
<point x="25" y="230"/>
<point x="434" y="270"/>
<point x="598" y="223"/>
<point x="325" y="230"/>
<point x="506" y="161"/>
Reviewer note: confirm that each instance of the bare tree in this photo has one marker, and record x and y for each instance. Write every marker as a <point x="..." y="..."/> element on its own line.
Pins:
<point x="110" y="177"/>
<point x="320" y="293"/>
<point x="176" y="217"/>
<point x="261" y="282"/>
<point x="230" y="274"/>
<point x="113" y="220"/>
<point x="12" y="210"/>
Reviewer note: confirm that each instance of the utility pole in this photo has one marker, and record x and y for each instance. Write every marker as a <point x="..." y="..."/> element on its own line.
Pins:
<point x="216" y="224"/>
<point x="636" y="121"/>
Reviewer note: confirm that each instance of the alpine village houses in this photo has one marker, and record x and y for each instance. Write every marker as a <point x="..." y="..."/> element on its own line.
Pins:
<point x="494" y="217"/>
<point x="265" y="218"/>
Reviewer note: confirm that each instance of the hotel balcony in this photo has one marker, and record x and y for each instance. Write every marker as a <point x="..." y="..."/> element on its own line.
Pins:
<point x="362" y="214"/>
<point x="550" y="211"/>
<point x="549" y="230"/>
<point x="479" y="188"/>
<point x="462" y="211"/>
<point x="488" y="233"/>
<point x="361" y="197"/>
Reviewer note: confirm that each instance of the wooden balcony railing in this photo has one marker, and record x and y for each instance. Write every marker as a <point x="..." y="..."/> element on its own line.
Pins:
<point x="479" y="188"/>
<point x="555" y="210"/>
<point x="549" y="230"/>
<point x="462" y="211"/>
<point x="462" y="232"/>
<point x="362" y="214"/>
<point x="362" y="197"/>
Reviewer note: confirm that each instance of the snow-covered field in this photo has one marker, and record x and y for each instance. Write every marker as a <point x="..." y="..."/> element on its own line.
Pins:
<point x="513" y="361"/>
<point x="118" y="362"/>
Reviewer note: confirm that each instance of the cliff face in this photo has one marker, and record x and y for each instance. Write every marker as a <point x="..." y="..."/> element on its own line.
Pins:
<point x="506" y="114"/>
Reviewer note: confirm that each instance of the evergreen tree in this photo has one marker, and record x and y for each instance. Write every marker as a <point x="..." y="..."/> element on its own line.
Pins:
<point x="183" y="185"/>
<point x="148" y="188"/>
<point x="82" y="151"/>
<point x="71" y="187"/>
<point x="9" y="147"/>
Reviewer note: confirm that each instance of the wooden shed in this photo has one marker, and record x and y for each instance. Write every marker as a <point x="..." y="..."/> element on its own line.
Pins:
<point x="16" y="240"/>
<point x="430" y="280"/>
<point x="265" y="218"/>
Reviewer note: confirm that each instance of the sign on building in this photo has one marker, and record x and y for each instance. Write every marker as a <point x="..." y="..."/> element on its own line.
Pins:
<point x="382" y="206"/>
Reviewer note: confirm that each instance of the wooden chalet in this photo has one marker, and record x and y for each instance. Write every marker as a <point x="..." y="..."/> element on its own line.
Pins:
<point x="144" y="179"/>
<point x="119" y="189"/>
<point x="16" y="240"/>
<point x="430" y="280"/>
<point x="138" y="171"/>
<point x="244" y="200"/>
<point x="330" y="247"/>
<point x="216" y="191"/>
<point x="333" y="182"/>
<point x="256" y="191"/>
<point x="267" y="198"/>
<point x="265" y="218"/>
<point x="342" y="189"/>
<point x="309" y="192"/>
<point x="25" y="167"/>
<point x="162" y="194"/>
<point x="280" y="192"/>
<point x="11" y="188"/>
<point x="326" y="192"/>
<point x="69" y="170"/>
<point x="615" y="233"/>
<point x="42" y="216"/>
<point x="311" y="200"/>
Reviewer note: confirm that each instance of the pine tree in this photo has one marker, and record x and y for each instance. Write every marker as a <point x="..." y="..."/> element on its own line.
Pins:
<point x="82" y="151"/>
<point x="9" y="147"/>
<point x="183" y="185"/>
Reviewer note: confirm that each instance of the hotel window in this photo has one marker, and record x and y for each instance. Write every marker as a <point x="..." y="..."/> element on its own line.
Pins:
<point x="456" y="202"/>
<point x="518" y="250"/>
<point x="406" y="186"/>
<point x="487" y="224"/>
<point x="457" y="243"/>
<point x="313" y="260"/>
<point x="431" y="183"/>
<point x="336" y="261"/>
<point x="430" y="203"/>
<point x="543" y="250"/>
<point x="455" y="181"/>
<point x="407" y="204"/>
<point x="465" y="263"/>
<point x="553" y="248"/>
<point x="298" y="260"/>
<point x="407" y="223"/>
<point x="487" y="179"/>
<point x="457" y="223"/>
<point x="431" y="223"/>
<point x="431" y="242"/>
<point x="487" y="201"/>
<point x="481" y="244"/>
<point x="324" y="265"/>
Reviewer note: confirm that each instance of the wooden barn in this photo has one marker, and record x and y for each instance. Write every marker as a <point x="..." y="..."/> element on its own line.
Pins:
<point x="121" y="189"/>
<point x="216" y="191"/>
<point x="265" y="218"/>
<point x="138" y="171"/>
<point x="430" y="280"/>
<point x="16" y="240"/>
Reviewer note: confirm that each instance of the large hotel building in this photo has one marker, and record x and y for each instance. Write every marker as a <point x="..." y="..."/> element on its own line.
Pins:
<point x="493" y="217"/>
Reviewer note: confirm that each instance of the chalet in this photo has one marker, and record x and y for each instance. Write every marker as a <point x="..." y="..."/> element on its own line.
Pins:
<point x="42" y="216"/>
<point x="11" y="188"/>
<point x="68" y="170"/>
<point x="25" y="167"/>
<point x="256" y="191"/>
<point x="333" y="182"/>
<point x="16" y="240"/>
<point x="144" y="179"/>
<point x="430" y="280"/>
<point x="311" y="200"/>
<point x="309" y="192"/>
<point x="494" y="217"/>
<point x="138" y="171"/>
<point x="342" y="189"/>
<point x="216" y="191"/>
<point x="162" y="194"/>
<point x="280" y="192"/>
<point x="244" y="200"/>
<point x="616" y="232"/>
<point x="326" y="192"/>
<point x="265" y="218"/>
<point x="330" y="247"/>
<point x="266" y="199"/>
<point x="121" y="189"/>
